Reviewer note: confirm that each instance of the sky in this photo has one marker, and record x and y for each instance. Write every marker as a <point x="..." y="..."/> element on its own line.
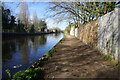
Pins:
<point x="40" y="8"/>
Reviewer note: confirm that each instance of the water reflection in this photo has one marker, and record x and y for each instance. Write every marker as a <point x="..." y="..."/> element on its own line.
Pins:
<point x="6" y="49"/>
<point x="22" y="51"/>
<point x="37" y="41"/>
<point x="56" y="35"/>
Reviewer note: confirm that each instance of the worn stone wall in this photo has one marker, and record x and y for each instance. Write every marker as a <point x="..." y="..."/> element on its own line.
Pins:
<point x="104" y="34"/>
<point x="88" y="33"/>
<point x="108" y="32"/>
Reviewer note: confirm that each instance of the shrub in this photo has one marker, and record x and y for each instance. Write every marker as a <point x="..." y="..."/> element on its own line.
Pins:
<point x="29" y="74"/>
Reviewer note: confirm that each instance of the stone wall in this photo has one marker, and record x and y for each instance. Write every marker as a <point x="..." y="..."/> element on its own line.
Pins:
<point x="103" y="33"/>
<point x="88" y="33"/>
<point x="108" y="32"/>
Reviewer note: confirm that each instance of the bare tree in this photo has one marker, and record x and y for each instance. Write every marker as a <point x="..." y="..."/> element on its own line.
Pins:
<point x="35" y="19"/>
<point x="63" y="11"/>
<point x="80" y="12"/>
<point x="68" y="11"/>
<point x="24" y="15"/>
<point x="35" y="22"/>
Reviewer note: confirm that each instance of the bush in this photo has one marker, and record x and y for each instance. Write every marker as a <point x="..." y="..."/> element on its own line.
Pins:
<point x="29" y="74"/>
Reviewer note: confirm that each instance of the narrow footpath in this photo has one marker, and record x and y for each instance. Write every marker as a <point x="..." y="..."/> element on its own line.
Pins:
<point x="74" y="59"/>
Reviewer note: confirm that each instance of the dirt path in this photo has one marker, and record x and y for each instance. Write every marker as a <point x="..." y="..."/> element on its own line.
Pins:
<point x="74" y="59"/>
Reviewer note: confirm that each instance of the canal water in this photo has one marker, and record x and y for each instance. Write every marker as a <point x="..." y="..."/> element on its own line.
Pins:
<point x="20" y="53"/>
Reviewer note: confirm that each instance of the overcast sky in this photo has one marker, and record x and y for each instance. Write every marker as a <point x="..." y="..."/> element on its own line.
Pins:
<point x="41" y="8"/>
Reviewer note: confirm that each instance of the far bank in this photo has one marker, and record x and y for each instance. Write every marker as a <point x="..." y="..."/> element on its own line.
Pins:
<point x="22" y="34"/>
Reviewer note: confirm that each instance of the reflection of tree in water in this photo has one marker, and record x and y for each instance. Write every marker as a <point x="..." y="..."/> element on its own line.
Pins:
<point x="42" y="40"/>
<point x="7" y="48"/>
<point x="24" y="50"/>
<point x="38" y="40"/>
<point x="35" y="43"/>
<point x="56" y="35"/>
<point x="32" y="39"/>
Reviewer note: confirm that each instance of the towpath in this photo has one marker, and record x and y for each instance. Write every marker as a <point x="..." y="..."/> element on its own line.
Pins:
<point x="74" y="59"/>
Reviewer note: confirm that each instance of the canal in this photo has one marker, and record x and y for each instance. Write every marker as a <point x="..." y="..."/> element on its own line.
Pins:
<point x="20" y="53"/>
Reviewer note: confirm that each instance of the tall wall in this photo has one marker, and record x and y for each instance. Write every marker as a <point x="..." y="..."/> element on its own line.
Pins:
<point x="104" y="34"/>
<point x="108" y="32"/>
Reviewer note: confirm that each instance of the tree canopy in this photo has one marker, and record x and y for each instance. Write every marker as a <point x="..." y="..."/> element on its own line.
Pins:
<point x="80" y="12"/>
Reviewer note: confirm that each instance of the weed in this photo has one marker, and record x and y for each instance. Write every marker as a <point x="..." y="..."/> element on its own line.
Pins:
<point x="82" y="74"/>
<point x="32" y="62"/>
<point x="60" y="42"/>
<point x="52" y="50"/>
<point x="114" y="51"/>
<point x="108" y="57"/>
<point x="108" y="43"/>
<point x="118" y="65"/>
<point x="9" y="73"/>
<point x="48" y="55"/>
<point x="119" y="50"/>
